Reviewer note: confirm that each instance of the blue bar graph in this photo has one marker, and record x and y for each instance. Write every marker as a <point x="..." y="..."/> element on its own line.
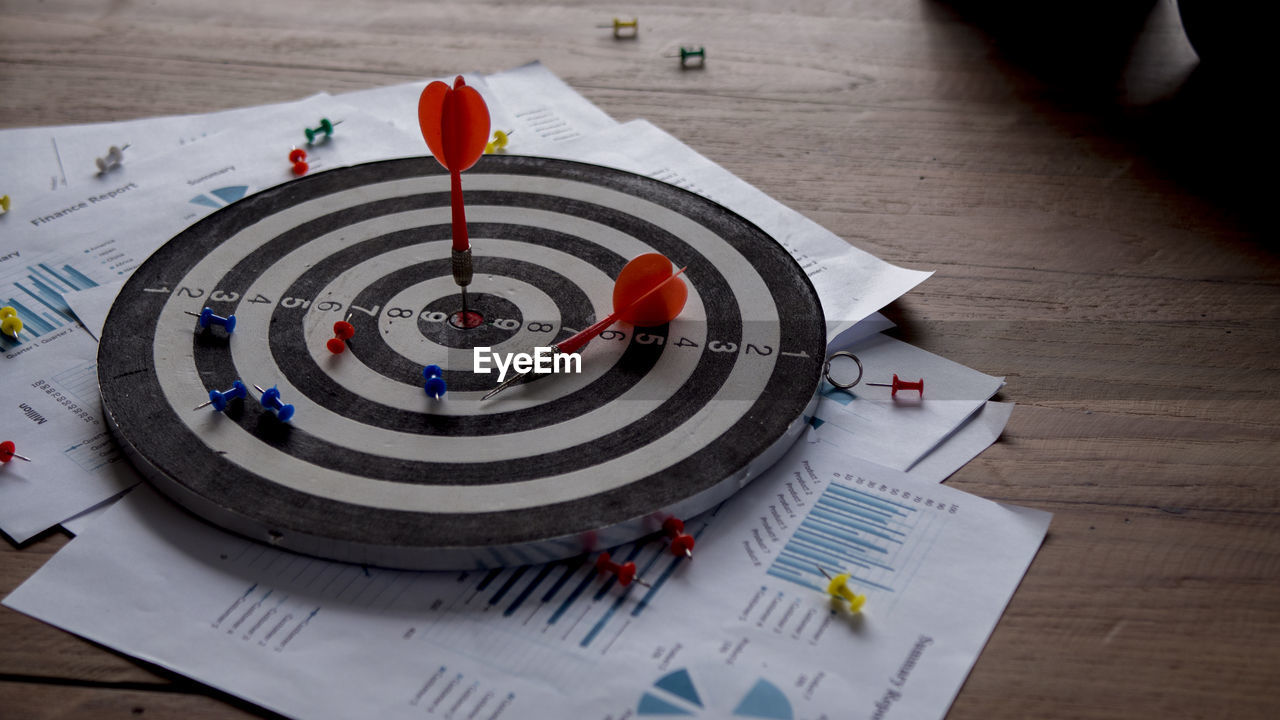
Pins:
<point x="853" y="531"/>
<point x="572" y="597"/>
<point x="37" y="298"/>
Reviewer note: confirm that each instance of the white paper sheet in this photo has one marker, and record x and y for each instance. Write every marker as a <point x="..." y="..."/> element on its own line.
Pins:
<point x="972" y="437"/>
<point x="851" y="284"/>
<point x="745" y="625"/>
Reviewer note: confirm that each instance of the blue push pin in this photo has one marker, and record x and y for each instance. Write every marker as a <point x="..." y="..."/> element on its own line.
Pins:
<point x="207" y="318"/>
<point x="271" y="401"/>
<point x="435" y="385"/>
<point x="219" y="399"/>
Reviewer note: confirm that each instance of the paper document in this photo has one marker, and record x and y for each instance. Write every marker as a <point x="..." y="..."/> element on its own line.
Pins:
<point x="746" y="627"/>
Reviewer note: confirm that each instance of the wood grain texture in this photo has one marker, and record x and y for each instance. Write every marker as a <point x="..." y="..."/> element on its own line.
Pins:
<point x="1091" y="201"/>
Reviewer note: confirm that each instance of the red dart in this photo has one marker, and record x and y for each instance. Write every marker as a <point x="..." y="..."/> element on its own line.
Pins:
<point x="653" y="295"/>
<point x="455" y="124"/>
<point x="650" y="294"/>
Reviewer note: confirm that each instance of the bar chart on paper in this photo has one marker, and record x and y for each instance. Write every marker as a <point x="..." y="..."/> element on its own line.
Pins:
<point x="877" y="534"/>
<point x="565" y="604"/>
<point x="37" y="296"/>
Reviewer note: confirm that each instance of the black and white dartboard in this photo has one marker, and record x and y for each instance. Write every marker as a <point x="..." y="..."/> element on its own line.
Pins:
<point x="661" y="421"/>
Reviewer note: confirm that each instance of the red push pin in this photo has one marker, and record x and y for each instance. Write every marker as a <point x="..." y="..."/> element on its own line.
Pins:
<point x="342" y="332"/>
<point x="681" y="542"/>
<point x="897" y="385"/>
<point x="626" y="572"/>
<point x="7" y="453"/>
<point x="298" y="156"/>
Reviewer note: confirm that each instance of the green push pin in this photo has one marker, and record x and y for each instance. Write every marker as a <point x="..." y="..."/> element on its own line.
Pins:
<point x="686" y="54"/>
<point x="326" y="129"/>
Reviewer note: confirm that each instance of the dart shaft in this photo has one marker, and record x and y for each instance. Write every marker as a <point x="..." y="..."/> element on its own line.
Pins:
<point x="461" y="267"/>
<point x="461" y="243"/>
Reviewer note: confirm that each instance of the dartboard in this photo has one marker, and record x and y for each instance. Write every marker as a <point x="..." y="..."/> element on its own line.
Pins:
<point x="659" y="421"/>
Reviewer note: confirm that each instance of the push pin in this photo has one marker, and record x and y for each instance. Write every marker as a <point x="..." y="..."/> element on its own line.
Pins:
<point x="619" y="25"/>
<point x="838" y="587"/>
<point x="271" y="401"/>
<point x="7" y="452"/>
<point x="219" y="399"/>
<point x="687" y="54"/>
<point x="681" y="542"/>
<point x="207" y="318"/>
<point x="342" y="332"/>
<point x="10" y="323"/>
<point x="115" y="156"/>
<point x="626" y="572"/>
<point x="499" y="142"/>
<point x="4" y="204"/>
<point x="298" y="157"/>
<point x="326" y="128"/>
<point x="435" y="385"/>
<point x="896" y="385"/>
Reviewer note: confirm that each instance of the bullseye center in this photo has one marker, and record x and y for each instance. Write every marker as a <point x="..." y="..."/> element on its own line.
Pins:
<point x="467" y="320"/>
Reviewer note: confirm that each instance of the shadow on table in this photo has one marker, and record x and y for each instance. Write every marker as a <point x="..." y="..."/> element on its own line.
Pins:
<point x="1207" y="135"/>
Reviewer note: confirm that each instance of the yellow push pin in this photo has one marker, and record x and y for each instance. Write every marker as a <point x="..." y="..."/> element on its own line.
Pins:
<point x="499" y="141"/>
<point x="4" y="204"/>
<point x="619" y="25"/>
<point x="10" y="323"/>
<point x="838" y="587"/>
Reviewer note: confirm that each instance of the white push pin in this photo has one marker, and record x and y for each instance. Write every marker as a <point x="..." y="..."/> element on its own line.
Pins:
<point x="115" y="156"/>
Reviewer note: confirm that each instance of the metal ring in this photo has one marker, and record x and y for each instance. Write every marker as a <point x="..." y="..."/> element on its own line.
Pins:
<point x="826" y="369"/>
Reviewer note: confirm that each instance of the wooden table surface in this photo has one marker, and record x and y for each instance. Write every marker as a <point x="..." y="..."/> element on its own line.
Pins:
<point x="1092" y="203"/>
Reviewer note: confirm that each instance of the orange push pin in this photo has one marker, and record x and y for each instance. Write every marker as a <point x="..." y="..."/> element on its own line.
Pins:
<point x="7" y="452"/>
<point x="838" y="587"/>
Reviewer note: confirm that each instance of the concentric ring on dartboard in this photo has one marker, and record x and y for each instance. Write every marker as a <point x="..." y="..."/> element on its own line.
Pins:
<point x="670" y="419"/>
